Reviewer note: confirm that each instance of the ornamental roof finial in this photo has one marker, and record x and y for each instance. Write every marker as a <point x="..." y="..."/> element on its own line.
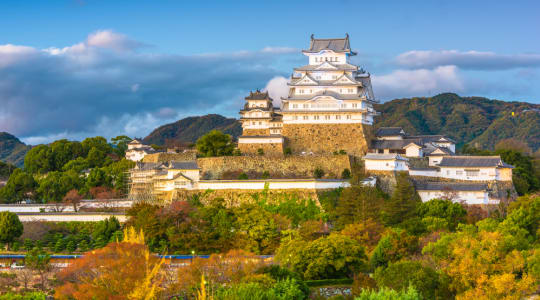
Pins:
<point x="312" y="36"/>
<point x="347" y="35"/>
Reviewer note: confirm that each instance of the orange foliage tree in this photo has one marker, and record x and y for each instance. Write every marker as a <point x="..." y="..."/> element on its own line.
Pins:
<point x="121" y="270"/>
<point x="223" y="269"/>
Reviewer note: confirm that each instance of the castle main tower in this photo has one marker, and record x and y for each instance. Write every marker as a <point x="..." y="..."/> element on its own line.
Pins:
<point x="329" y="106"/>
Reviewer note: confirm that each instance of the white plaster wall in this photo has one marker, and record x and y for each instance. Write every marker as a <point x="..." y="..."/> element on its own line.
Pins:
<point x="385" y="165"/>
<point x="413" y="152"/>
<point x="272" y="184"/>
<point x="434" y="160"/>
<point x="474" y="197"/>
<point x="135" y="155"/>
<point x="430" y="173"/>
<point x="69" y="217"/>
<point x="453" y="173"/>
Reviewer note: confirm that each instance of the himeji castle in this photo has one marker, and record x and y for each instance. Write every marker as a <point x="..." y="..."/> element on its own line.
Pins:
<point x="330" y="102"/>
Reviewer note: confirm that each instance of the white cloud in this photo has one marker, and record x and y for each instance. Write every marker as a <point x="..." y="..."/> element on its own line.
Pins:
<point x="10" y="54"/>
<point x="279" y="50"/>
<point x="86" y="89"/>
<point x="407" y="83"/>
<point x="474" y="60"/>
<point x="277" y="88"/>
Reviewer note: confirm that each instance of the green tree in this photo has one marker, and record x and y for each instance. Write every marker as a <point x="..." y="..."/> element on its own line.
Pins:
<point x="334" y="256"/>
<point x="63" y="151"/>
<point x="54" y="186"/>
<point x="258" y="228"/>
<point x="10" y="227"/>
<point x="97" y="177"/>
<point x="118" y="174"/>
<point x="106" y="228"/>
<point x="402" y="205"/>
<point x="121" y="143"/>
<point x="39" y="160"/>
<point x="99" y="143"/>
<point x="359" y="203"/>
<point x="20" y="186"/>
<point x="398" y="276"/>
<point x="396" y="244"/>
<point x="386" y="294"/>
<point x="77" y="165"/>
<point x="215" y="143"/>
<point x="453" y="213"/>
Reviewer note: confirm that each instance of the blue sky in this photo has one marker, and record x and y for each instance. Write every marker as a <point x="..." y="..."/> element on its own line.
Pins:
<point x="71" y="69"/>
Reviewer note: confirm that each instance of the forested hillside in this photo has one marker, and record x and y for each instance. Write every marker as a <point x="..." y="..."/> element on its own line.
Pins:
<point x="12" y="150"/>
<point x="476" y="120"/>
<point x="188" y="130"/>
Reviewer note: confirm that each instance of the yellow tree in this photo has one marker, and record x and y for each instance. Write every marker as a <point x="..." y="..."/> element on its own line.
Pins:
<point x="121" y="270"/>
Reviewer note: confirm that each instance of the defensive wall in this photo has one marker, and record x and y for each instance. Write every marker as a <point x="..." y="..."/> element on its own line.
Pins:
<point x="70" y="217"/>
<point x="289" y="166"/>
<point x="166" y="156"/>
<point x="354" y="138"/>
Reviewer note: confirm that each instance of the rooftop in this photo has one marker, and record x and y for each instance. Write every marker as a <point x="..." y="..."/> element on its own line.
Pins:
<point x="183" y="165"/>
<point x="258" y="95"/>
<point x="473" y="161"/>
<point x="331" y="66"/>
<point x="394" y="144"/>
<point x="450" y="186"/>
<point x="392" y="156"/>
<point x="390" y="131"/>
<point x="336" y="45"/>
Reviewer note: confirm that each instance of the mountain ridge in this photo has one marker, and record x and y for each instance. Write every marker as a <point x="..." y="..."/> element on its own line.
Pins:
<point x="12" y="150"/>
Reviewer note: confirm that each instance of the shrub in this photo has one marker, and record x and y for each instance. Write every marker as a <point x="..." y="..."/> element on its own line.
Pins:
<point x="265" y="175"/>
<point x="346" y="174"/>
<point x="237" y="152"/>
<point x="342" y="151"/>
<point x="243" y="176"/>
<point x="260" y="151"/>
<point x="318" y="173"/>
<point x="287" y="151"/>
<point x="383" y="294"/>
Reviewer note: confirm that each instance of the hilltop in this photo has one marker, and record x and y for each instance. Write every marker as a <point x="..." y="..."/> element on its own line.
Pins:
<point x="469" y="120"/>
<point x="12" y="150"/>
<point x="480" y="121"/>
<point x="188" y="130"/>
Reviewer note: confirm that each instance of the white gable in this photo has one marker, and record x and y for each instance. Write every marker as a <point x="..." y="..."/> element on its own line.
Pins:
<point x="327" y="65"/>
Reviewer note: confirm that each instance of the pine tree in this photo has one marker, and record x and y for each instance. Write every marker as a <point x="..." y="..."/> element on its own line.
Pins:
<point x="403" y="202"/>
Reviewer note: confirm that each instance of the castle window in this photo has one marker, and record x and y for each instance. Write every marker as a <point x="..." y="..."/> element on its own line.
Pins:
<point x="306" y="117"/>
<point x="295" y="117"/>
<point x="336" y="59"/>
<point x="343" y="105"/>
<point x="295" y="105"/>
<point x="260" y="123"/>
<point x="315" y="117"/>
<point x="341" y="91"/>
<point x="350" y="90"/>
<point x="327" y="117"/>
<point x="348" y="117"/>
<point x="338" y="117"/>
<point x="310" y="91"/>
<point x="306" y="105"/>
<point x="316" y="59"/>
<point x="253" y="123"/>
<point x="355" y="105"/>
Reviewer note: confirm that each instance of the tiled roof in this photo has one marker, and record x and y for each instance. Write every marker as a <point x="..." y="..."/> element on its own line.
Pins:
<point x="336" y="45"/>
<point x="375" y="156"/>
<point x="390" y="131"/>
<point x="394" y="144"/>
<point x="183" y="165"/>
<point x="258" y="95"/>
<point x="341" y="67"/>
<point x="324" y="93"/>
<point x="431" y="138"/>
<point x="147" y="166"/>
<point x="443" y="149"/>
<point x="135" y="142"/>
<point x="473" y="161"/>
<point x="450" y="186"/>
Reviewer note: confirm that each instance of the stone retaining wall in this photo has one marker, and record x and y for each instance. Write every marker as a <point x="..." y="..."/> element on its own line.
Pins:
<point x="269" y="149"/>
<point x="289" y="166"/>
<point x="165" y="157"/>
<point x="327" y="138"/>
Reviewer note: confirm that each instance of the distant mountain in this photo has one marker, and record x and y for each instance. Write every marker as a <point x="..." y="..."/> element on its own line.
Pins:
<point x="188" y="130"/>
<point x="12" y="150"/>
<point x="480" y="121"/>
<point x="475" y="120"/>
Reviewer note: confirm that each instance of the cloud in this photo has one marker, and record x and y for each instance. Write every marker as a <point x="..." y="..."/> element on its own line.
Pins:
<point x="277" y="87"/>
<point x="472" y="60"/>
<point x="86" y="89"/>
<point x="408" y="83"/>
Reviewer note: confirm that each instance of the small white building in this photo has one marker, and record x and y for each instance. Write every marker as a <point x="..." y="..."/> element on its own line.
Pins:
<point x="480" y="168"/>
<point x="469" y="193"/>
<point x="385" y="162"/>
<point x="395" y="140"/>
<point x="137" y="151"/>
